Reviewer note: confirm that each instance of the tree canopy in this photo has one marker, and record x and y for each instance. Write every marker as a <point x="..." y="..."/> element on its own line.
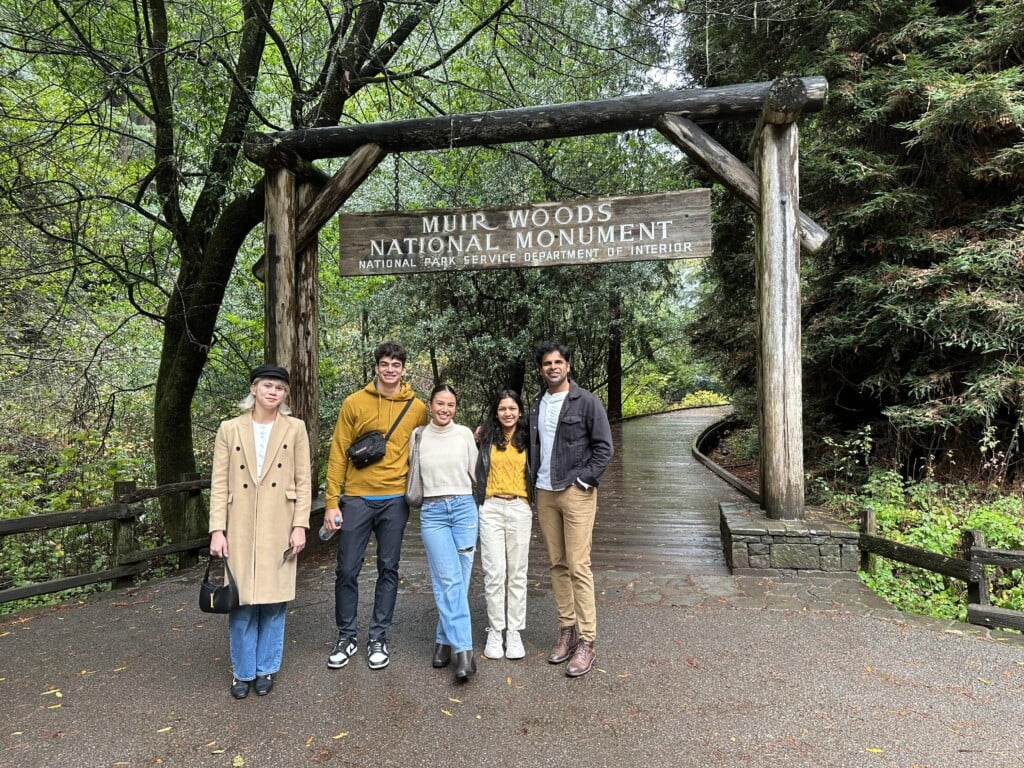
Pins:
<point x="130" y="203"/>
<point x="913" y="312"/>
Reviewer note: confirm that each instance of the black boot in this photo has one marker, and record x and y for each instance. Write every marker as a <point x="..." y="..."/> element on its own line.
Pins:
<point x="442" y="655"/>
<point x="465" y="665"/>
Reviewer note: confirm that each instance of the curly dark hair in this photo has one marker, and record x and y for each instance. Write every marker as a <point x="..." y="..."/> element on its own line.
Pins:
<point x="492" y="433"/>
<point x="391" y="349"/>
<point x="552" y="346"/>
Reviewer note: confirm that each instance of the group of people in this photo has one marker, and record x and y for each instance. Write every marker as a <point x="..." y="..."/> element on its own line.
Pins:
<point x="476" y="484"/>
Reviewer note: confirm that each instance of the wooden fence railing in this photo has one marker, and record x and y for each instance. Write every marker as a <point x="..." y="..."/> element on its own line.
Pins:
<point x="126" y="559"/>
<point x="970" y="568"/>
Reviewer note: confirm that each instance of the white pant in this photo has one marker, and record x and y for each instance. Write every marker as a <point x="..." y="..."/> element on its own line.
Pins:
<point x="505" y="554"/>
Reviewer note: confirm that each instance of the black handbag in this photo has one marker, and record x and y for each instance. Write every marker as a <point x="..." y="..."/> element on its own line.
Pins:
<point x="371" y="446"/>
<point x="218" y="598"/>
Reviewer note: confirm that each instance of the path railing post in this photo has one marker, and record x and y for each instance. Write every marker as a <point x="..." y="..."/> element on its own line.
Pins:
<point x="195" y="516"/>
<point x="977" y="588"/>
<point x="868" y="525"/>
<point x="123" y="535"/>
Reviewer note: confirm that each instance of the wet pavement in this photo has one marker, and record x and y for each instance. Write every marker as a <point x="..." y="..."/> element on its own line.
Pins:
<point x="695" y="667"/>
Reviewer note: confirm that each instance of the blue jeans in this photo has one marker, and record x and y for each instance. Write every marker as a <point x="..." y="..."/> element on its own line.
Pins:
<point x="257" y="639"/>
<point x="449" y="530"/>
<point x="386" y="519"/>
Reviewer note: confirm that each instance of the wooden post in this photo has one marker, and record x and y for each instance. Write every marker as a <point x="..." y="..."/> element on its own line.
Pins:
<point x="977" y="589"/>
<point x="123" y="538"/>
<point x="291" y="311"/>
<point x="305" y="361"/>
<point x="294" y="214"/>
<point x="778" y="300"/>
<point x="196" y="517"/>
<point x="869" y="525"/>
<point x="279" y="243"/>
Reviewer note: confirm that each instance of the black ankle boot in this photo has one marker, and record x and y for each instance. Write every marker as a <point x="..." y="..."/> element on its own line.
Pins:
<point x="442" y="655"/>
<point x="465" y="665"/>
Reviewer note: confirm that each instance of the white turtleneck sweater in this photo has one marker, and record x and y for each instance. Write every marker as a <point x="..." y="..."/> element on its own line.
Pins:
<point x="447" y="460"/>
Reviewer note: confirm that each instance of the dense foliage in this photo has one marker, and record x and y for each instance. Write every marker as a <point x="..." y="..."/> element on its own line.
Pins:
<point x="931" y="516"/>
<point x="914" y="311"/>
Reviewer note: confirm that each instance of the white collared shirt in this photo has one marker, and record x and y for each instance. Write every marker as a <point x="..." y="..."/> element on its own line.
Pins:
<point x="550" y="410"/>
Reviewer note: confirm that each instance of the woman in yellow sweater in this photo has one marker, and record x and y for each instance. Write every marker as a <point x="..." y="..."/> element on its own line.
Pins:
<point x="502" y="491"/>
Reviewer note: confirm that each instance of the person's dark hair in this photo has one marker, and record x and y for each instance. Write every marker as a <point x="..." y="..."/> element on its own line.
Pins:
<point x="552" y="346"/>
<point x="442" y="388"/>
<point x="492" y="433"/>
<point x="389" y="349"/>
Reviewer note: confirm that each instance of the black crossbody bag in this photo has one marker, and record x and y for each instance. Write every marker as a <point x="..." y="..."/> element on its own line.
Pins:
<point x="370" y="447"/>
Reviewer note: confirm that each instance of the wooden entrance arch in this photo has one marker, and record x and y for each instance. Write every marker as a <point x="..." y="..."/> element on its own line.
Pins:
<point x="300" y="200"/>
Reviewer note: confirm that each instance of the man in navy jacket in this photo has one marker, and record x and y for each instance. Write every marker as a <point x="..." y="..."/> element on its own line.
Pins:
<point x="570" y="447"/>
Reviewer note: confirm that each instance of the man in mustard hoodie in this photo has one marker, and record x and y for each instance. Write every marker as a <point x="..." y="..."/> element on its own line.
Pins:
<point x="361" y="500"/>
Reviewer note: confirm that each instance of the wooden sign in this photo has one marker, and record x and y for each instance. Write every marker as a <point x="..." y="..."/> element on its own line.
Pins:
<point x="673" y="225"/>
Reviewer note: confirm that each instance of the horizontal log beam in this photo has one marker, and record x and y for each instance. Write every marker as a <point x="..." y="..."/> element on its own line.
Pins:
<point x="63" y="519"/>
<point x="953" y="567"/>
<point x="1011" y="559"/>
<point x="140" y="555"/>
<point x="990" y="616"/>
<point x="185" y="486"/>
<point x="626" y="113"/>
<point x="71" y="582"/>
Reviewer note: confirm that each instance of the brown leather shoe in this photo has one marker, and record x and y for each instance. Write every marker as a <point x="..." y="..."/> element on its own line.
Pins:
<point x="564" y="647"/>
<point x="582" y="661"/>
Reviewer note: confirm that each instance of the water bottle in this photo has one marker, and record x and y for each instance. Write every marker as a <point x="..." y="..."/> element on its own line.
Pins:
<point x="326" y="535"/>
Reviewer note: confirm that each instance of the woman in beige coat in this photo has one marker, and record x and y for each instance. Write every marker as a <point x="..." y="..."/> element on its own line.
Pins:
<point x="259" y="513"/>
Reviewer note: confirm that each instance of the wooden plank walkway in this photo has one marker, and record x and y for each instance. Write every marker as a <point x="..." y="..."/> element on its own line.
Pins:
<point x="657" y="508"/>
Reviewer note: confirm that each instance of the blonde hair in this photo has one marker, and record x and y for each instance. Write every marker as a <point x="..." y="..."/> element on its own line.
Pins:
<point x="248" y="402"/>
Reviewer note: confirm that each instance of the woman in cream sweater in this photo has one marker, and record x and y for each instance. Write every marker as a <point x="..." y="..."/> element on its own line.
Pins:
<point x="448" y="524"/>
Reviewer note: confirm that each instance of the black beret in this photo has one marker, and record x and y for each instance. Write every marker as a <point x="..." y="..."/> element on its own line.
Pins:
<point x="268" y="371"/>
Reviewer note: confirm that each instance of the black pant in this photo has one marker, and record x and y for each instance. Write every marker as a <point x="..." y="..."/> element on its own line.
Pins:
<point x="386" y="518"/>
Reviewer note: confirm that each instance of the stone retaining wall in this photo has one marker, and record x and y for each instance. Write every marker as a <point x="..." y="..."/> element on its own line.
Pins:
<point x="752" y="542"/>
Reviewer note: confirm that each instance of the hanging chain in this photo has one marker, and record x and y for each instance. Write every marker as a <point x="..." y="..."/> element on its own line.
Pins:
<point x="398" y="199"/>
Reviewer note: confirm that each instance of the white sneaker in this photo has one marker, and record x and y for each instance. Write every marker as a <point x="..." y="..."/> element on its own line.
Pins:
<point x="344" y="649"/>
<point x="377" y="656"/>
<point x="514" y="645"/>
<point x="493" y="649"/>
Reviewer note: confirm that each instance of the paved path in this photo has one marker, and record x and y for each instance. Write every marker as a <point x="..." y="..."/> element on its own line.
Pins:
<point x="695" y="667"/>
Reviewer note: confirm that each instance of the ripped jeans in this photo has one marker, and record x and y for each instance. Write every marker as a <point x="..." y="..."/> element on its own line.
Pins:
<point x="449" y="529"/>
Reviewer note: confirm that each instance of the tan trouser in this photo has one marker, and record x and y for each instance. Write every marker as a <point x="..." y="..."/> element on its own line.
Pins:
<point x="566" y="521"/>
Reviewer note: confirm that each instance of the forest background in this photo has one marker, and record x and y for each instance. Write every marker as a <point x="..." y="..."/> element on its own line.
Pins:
<point x="130" y="308"/>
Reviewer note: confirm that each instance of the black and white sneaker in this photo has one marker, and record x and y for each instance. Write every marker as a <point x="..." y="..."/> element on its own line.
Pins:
<point x="344" y="649"/>
<point x="377" y="654"/>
